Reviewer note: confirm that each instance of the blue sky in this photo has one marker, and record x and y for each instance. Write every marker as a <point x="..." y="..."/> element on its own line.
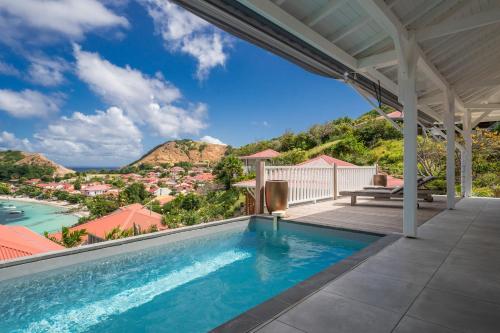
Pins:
<point x="107" y="80"/>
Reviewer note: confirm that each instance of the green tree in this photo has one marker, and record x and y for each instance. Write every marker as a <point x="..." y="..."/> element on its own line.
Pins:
<point x="117" y="233"/>
<point x="68" y="238"/>
<point x="228" y="171"/>
<point x="292" y="157"/>
<point x="4" y="188"/>
<point x="77" y="184"/>
<point x="100" y="205"/>
<point x="136" y="193"/>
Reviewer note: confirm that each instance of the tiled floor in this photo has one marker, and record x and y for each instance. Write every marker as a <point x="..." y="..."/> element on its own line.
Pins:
<point x="369" y="215"/>
<point x="447" y="280"/>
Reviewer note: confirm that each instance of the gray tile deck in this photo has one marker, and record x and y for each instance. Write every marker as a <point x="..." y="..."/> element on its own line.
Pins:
<point x="447" y="280"/>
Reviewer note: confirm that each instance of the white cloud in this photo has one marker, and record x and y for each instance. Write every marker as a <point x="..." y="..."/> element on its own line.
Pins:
<point x="146" y="100"/>
<point x="8" y="69"/>
<point x="103" y="138"/>
<point x="10" y="141"/>
<point x="28" y="103"/>
<point x="47" y="72"/>
<point x="185" y="32"/>
<point x="71" y="18"/>
<point x="211" y="139"/>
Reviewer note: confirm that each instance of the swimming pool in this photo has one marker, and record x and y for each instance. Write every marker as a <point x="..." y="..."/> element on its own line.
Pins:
<point x="37" y="217"/>
<point x="190" y="285"/>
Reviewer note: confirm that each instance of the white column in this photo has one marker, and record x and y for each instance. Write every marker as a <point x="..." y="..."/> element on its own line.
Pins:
<point x="467" y="190"/>
<point x="462" y="171"/>
<point x="259" y="186"/>
<point x="449" y="122"/>
<point x="408" y="96"/>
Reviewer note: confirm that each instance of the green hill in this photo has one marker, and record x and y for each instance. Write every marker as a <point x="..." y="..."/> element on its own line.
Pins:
<point x="371" y="139"/>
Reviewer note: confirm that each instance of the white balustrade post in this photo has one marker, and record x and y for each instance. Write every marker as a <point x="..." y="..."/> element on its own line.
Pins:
<point x="335" y="182"/>
<point x="259" y="186"/>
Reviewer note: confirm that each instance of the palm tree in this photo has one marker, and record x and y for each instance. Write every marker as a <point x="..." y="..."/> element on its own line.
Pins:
<point x="68" y="238"/>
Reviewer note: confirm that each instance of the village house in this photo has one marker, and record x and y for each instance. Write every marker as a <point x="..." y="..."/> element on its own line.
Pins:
<point x="162" y="191"/>
<point x="17" y="241"/>
<point x="134" y="216"/>
<point x="94" y="190"/>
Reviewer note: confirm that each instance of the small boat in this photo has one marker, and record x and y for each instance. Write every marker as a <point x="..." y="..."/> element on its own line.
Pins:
<point x="16" y="212"/>
<point x="9" y="206"/>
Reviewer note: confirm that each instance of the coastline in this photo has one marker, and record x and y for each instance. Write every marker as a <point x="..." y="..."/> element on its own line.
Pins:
<point x="56" y="203"/>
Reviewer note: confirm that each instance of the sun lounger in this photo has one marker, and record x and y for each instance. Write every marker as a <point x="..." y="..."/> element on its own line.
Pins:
<point x="389" y="193"/>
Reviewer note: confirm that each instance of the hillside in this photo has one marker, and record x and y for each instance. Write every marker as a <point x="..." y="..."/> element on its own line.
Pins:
<point x="23" y="164"/>
<point x="40" y="160"/>
<point x="371" y="139"/>
<point x="172" y="152"/>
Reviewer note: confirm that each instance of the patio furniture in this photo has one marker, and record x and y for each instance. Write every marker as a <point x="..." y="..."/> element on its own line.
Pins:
<point x="389" y="193"/>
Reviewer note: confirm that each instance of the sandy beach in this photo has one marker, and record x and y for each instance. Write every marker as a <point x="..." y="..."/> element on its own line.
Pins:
<point x="55" y="203"/>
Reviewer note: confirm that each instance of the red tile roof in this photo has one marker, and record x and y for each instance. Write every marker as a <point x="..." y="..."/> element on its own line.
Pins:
<point x="395" y="114"/>
<point x="124" y="218"/>
<point x="18" y="241"/>
<point x="268" y="153"/>
<point x="204" y="177"/>
<point x="328" y="159"/>
<point x="100" y="187"/>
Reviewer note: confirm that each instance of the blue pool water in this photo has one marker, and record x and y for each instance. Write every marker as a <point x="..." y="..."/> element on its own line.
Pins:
<point x="186" y="286"/>
<point x="37" y="217"/>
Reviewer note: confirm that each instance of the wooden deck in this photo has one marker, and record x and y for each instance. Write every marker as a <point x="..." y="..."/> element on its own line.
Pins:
<point x="381" y="216"/>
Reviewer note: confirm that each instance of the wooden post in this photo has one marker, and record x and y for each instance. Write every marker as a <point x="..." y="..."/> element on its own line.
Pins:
<point x="335" y="187"/>
<point x="259" y="186"/>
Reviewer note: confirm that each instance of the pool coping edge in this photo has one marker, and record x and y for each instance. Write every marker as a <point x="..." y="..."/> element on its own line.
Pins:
<point x="270" y="309"/>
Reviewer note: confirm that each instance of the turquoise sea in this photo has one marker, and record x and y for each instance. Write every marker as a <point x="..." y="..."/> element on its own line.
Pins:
<point x="37" y="217"/>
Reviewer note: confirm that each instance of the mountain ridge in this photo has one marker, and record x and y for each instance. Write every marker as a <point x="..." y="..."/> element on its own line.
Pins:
<point x="171" y="152"/>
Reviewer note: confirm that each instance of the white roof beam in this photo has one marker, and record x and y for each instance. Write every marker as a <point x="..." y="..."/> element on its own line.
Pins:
<point x="296" y="27"/>
<point x="476" y="121"/>
<point x="379" y="60"/>
<point x="323" y="11"/>
<point x="437" y="12"/>
<point x="365" y="45"/>
<point x="358" y="24"/>
<point x="479" y="83"/>
<point x="476" y="106"/>
<point x="452" y="27"/>
<point x="385" y="17"/>
<point x="432" y="99"/>
<point x="416" y="13"/>
<point x="387" y="83"/>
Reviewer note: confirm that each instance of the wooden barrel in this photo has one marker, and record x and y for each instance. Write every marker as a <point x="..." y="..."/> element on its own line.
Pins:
<point x="276" y="195"/>
<point x="380" y="180"/>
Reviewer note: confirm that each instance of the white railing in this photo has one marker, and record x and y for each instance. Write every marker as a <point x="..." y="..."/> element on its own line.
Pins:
<point x="304" y="183"/>
<point x="316" y="183"/>
<point x="354" y="177"/>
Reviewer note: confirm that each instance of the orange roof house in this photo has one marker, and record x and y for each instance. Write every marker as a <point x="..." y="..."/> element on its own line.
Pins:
<point x="325" y="160"/>
<point x="124" y="218"/>
<point x="265" y="154"/>
<point x="18" y="241"/>
<point x="204" y="177"/>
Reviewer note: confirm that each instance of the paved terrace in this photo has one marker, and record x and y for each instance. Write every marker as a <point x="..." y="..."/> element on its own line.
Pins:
<point x="382" y="216"/>
<point x="447" y="280"/>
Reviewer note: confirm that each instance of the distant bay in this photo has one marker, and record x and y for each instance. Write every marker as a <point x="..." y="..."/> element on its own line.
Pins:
<point x="92" y="168"/>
